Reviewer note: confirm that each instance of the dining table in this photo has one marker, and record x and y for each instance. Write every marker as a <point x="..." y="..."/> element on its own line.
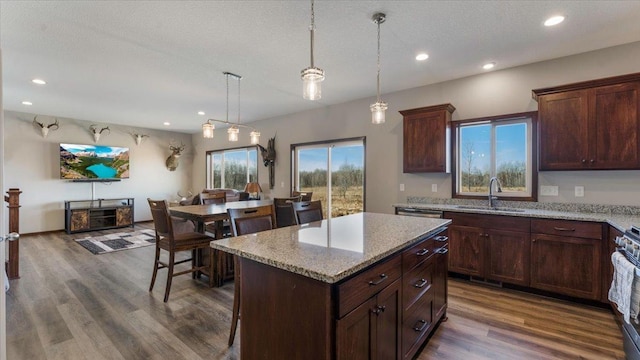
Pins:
<point x="217" y="214"/>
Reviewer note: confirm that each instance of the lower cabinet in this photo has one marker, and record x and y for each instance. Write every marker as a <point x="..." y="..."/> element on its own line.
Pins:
<point x="372" y="330"/>
<point x="490" y="246"/>
<point x="394" y="321"/>
<point x="566" y="257"/>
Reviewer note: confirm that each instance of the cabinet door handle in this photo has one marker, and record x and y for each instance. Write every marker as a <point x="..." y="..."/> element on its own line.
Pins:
<point x="422" y="252"/>
<point x="420" y="283"/>
<point x="441" y="238"/>
<point x="584" y="161"/>
<point x="563" y="229"/>
<point x="383" y="277"/>
<point x="592" y="161"/>
<point x="378" y="309"/>
<point x="420" y="325"/>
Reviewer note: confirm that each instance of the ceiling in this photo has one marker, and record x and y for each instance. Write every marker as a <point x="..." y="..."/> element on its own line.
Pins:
<point x="142" y="63"/>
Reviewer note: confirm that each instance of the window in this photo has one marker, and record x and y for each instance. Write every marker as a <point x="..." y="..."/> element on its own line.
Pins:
<point x="232" y="168"/>
<point x="342" y="193"/>
<point x="499" y="146"/>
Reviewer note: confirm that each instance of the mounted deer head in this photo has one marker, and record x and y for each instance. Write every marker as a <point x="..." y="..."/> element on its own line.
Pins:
<point x="45" y="128"/>
<point x="184" y="197"/>
<point x="172" y="161"/>
<point x="138" y="137"/>
<point x="96" y="133"/>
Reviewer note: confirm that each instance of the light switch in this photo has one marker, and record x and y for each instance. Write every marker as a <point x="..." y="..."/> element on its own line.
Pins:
<point x="282" y="184"/>
<point x="579" y="191"/>
<point x="434" y="187"/>
<point x="549" y="190"/>
<point x="401" y="187"/>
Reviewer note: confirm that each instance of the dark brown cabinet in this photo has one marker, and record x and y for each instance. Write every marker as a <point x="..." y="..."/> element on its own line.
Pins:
<point x="426" y="139"/>
<point x="371" y="331"/>
<point x="90" y="215"/>
<point x="491" y="247"/>
<point x="566" y="257"/>
<point x="591" y="125"/>
<point x="607" y="266"/>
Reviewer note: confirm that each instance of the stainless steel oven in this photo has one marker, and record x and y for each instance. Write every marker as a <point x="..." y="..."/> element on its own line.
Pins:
<point x="629" y="246"/>
<point x="410" y="211"/>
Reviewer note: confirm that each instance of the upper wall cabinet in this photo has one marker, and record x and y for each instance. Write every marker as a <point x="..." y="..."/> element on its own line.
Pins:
<point x="592" y="125"/>
<point x="426" y="134"/>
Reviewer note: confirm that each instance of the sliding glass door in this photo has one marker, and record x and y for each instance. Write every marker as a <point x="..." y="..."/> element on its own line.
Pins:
<point x="334" y="171"/>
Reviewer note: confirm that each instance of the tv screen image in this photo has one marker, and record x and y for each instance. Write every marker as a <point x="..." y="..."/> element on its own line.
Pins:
<point x="85" y="162"/>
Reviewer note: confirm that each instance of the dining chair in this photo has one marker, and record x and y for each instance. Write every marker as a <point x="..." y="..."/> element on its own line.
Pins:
<point x="246" y="221"/>
<point x="308" y="211"/>
<point x="304" y="195"/>
<point x="167" y="239"/>
<point x="207" y="198"/>
<point x="285" y="216"/>
<point x="215" y="198"/>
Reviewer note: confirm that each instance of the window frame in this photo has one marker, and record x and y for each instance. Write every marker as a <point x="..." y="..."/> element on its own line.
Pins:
<point x="320" y="144"/>
<point x="210" y="153"/>
<point x="505" y="119"/>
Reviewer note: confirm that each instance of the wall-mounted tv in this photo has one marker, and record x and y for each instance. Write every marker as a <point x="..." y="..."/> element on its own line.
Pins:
<point x="93" y="162"/>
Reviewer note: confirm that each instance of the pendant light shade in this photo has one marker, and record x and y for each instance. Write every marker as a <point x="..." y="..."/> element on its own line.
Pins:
<point x="234" y="130"/>
<point x="312" y="76"/>
<point x="378" y="109"/>
<point x="207" y="130"/>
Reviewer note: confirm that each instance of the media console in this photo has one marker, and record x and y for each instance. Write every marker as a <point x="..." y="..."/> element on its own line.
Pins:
<point x="89" y="215"/>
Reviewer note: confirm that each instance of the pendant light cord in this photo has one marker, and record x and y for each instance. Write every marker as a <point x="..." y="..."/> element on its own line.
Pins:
<point x="227" y="76"/>
<point x="312" y="30"/>
<point x="378" y="60"/>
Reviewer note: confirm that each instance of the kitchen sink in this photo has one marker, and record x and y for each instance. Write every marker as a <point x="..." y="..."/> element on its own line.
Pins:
<point x="486" y="208"/>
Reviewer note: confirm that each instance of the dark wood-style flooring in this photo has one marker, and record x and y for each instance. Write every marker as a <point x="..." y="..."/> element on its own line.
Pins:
<point x="70" y="304"/>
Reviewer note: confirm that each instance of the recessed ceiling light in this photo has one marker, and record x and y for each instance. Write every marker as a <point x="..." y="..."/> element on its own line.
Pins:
<point x="554" y="20"/>
<point x="166" y="123"/>
<point x="200" y="112"/>
<point x="489" y="66"/>
<point x="39" y="81"/>
<point x="28" y="103"/>
<point x="422" y="56"/>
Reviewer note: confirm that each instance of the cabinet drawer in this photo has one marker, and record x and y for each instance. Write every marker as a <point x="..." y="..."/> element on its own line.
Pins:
<point x="416" y="283"/>
<point x="416" y="325"/>
<point x="589" y="230"/>
<point x="361" y="287"/>
<point x="417" y="254"/>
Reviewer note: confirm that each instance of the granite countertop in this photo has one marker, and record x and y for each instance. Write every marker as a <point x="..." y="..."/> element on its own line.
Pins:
<point x="331" y="250"/>
<point x="620" y="217"/>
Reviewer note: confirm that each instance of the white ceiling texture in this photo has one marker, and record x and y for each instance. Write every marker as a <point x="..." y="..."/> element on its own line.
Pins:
<point x="146" y="62"/>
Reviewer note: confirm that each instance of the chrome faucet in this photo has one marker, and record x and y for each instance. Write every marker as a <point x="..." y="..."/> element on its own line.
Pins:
<point x="491" y="196"/>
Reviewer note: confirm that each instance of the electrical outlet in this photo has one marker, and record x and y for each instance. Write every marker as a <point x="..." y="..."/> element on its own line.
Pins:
<point x="401" y="187"/>
<point x="282" y="184"/>
<point x="579" y="191"/>
<point x="434" y="187"/>
<point x="549" y="190"/>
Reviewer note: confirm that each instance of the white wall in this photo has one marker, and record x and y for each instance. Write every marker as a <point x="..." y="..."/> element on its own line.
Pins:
<point x="32" y="164"/>
<point x="493" y="93"/>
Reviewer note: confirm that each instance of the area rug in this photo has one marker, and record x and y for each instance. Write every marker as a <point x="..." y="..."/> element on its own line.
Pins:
<point x="118" y="241"/>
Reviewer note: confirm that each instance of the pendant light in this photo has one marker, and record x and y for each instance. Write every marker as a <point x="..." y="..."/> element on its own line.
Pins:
<point x="378" y="109"/>
<point x="312" y="76"/>
<point x="234" y="130"/>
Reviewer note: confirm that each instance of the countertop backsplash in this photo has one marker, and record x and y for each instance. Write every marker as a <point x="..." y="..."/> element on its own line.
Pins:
<point x="567" y="207"/>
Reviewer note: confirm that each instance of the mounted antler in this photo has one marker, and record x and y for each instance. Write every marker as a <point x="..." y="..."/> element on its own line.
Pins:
<point x="97" y="133"/>
<point x="184" y="197"/>
<point x="172" y="161"/>
<point x="45" y="128"/>
<point x="138" y="137"/>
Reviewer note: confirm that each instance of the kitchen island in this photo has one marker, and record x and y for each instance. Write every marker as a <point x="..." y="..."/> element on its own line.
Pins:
<point x="359" y="286"/>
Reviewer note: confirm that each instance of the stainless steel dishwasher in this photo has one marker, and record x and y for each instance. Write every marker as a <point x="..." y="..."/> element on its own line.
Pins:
<point x="410" y="211"/>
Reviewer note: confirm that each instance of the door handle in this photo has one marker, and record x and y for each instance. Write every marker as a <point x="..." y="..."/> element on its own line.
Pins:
<point x="10" y="237"/>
